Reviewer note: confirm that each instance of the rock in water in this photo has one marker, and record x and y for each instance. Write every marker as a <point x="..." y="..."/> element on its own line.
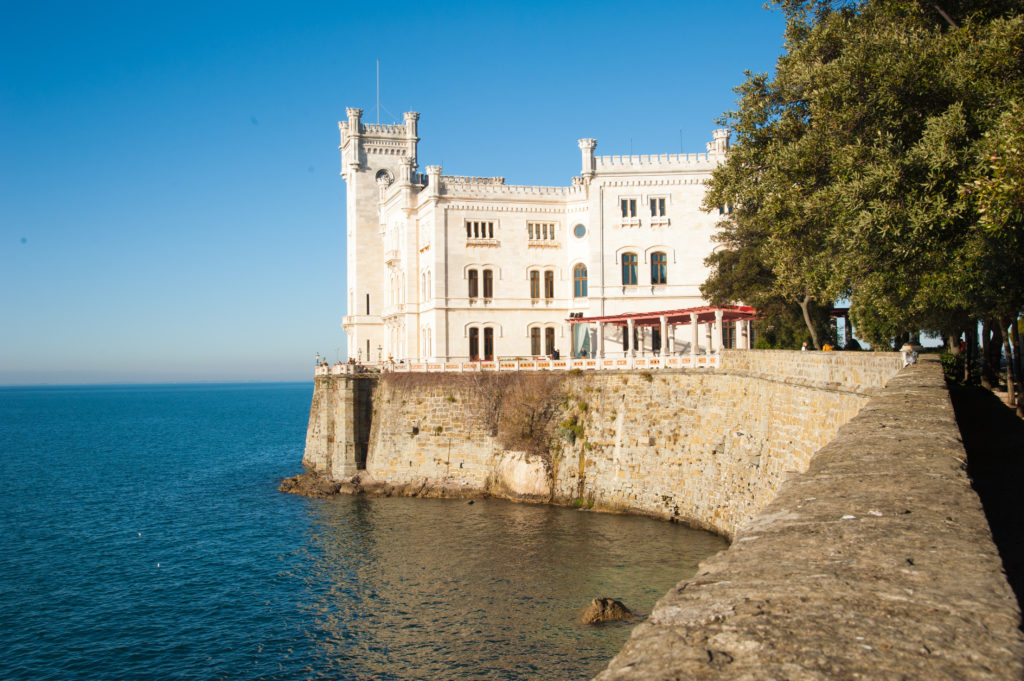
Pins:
<point x="605" y="610"/>
<point x="310" y="484"/>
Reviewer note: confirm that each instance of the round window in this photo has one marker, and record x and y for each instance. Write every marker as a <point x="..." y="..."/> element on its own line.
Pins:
<point x="580" y="231"/>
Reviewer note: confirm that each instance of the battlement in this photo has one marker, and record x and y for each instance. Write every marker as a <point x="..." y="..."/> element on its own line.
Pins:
<point x="495" y="186"/>
<point x="466" y="179"/>
<point x="650" y="161"/>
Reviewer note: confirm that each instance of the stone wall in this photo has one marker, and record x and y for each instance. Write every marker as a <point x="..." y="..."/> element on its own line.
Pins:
<point x="338" y="434"/>
<point x="877" y="563"/>
<point x="706" y="448"/>
<point x="857" y="371"/>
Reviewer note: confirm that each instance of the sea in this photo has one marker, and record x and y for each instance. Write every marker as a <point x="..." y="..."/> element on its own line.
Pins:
<point x="142" y="536"/>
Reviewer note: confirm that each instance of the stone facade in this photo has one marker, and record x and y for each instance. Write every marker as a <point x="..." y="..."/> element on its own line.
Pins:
<point x="451" y="268"/>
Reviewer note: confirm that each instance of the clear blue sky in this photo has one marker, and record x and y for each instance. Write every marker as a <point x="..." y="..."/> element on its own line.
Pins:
<point x="170" y="204"/>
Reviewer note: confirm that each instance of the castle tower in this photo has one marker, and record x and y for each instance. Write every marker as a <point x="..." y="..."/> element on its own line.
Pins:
<point x="373" y="156"/>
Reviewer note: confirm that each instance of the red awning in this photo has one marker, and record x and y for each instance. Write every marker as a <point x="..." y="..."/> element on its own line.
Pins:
<point x="705" y="315"/>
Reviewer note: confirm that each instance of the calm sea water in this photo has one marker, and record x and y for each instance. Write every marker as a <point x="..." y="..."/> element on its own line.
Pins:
<point x="142" y="537"/>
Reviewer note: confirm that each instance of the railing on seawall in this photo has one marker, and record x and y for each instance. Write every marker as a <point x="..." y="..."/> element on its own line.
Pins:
<point x="518" y="364"/>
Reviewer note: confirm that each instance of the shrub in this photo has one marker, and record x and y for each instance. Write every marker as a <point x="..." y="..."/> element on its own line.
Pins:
<point x="952" y="366"/>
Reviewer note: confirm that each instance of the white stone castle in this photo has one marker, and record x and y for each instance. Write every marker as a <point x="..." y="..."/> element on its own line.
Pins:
<point x="448" y="268"/>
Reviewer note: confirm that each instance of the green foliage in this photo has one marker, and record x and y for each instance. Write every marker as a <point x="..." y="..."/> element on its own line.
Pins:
<point x="882" y="163"/>
<point x="952" y="367"/>
<point x="648" y="376"/>
<point x="571" y="429"/>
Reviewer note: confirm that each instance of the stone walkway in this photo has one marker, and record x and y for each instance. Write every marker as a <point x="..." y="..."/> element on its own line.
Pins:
<point x="877" y="563"/>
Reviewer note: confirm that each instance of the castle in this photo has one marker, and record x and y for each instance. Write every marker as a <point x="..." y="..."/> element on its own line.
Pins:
<point x="452" y="268"/>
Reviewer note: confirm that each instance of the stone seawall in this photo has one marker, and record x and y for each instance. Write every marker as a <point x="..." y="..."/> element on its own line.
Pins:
<point x="706" y="448"/>
<point x="859" y="548"/>
<point x="338" y="434"/>
<point x="877" y="563"/>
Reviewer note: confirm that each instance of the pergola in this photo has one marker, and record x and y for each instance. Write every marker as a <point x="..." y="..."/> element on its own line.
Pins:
<point x="713" y="317"/>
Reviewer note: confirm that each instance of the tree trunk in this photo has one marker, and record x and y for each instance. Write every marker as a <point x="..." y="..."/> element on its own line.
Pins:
<point x="1017" y="365"/>
<point x="971" y="336"/>
<point x="995" y="350"/>
<point x="1011" y="393"/>
<point x="954" y="344"/>
<point x="807" y="320"/>
<point x="986" y="366"/>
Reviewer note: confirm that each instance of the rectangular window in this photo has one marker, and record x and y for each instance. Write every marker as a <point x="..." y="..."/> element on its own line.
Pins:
<point x="549" y="284"/>
<point x="628" y="208"/>
<point x="474" y="343"/>
<point x="535" y="284"/>
<point x="479" y="229"/>
<point x="549" y="341"/>
<point x="657" y="208"/>
<point x="540" y="231"/>
<point x="473" y="284"/>
<point x="535" y="341"/>
<point x="488" y="284"/>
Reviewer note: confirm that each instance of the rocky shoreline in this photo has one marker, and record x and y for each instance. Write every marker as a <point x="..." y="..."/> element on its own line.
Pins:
<point x="315" y="485"/>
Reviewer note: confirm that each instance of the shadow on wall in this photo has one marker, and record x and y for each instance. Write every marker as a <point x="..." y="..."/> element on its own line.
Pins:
<point x="993" y="436"/>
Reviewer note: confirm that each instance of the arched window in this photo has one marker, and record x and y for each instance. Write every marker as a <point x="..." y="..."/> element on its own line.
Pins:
<point x="629" y="269"/>
<point x="535" y="341"/>
<point x="659" y="268"/>
<point x="488" y="284"/>
<point x="549" y="284"/>
<point x="579" y="281"/>
<point x="473" y="284"/>
<point x="535" y="284"/>
<point x="474" y="343"/>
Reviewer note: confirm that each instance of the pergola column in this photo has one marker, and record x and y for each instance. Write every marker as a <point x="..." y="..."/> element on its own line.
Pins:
<point x="664" y="336"/>
<point x="718" y="330"/>
<point x="695" y="335"/>
<point x="708" y="336"/>
<point x="600" y="340"/>
<point x="630" y="350"/>
<point x="741" y="335"/>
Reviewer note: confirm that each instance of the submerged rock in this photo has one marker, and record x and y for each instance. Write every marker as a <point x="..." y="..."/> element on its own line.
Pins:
<point x="605" y="610"/>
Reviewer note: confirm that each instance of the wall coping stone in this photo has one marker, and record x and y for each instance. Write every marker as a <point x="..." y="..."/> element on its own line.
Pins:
<point x="877" y="563"/>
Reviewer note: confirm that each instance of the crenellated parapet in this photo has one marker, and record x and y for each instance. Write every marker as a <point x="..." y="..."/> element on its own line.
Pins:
<point x="358" y="140"/>
<point x="450" y="186"/>
<point x="465" y="179"/>
<point x="650" y="162"/>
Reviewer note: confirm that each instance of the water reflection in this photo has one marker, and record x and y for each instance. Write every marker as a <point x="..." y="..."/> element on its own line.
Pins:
<point x="442" y="589"/>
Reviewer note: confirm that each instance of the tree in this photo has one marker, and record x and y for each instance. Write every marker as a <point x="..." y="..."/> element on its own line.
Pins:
<point x="849" y="167"/>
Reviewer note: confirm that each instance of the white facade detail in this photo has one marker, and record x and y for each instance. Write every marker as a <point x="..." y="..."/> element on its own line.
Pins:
<point x="448" y="268"/>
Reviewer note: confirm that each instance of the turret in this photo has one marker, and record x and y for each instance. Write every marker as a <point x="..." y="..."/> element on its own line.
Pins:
<point x="433" y="181"/>
<point x="587" y="146"/>
<point x="719" y="145"/>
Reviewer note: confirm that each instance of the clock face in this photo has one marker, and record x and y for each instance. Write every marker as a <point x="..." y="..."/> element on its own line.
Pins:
<point x="580" y="231"/>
